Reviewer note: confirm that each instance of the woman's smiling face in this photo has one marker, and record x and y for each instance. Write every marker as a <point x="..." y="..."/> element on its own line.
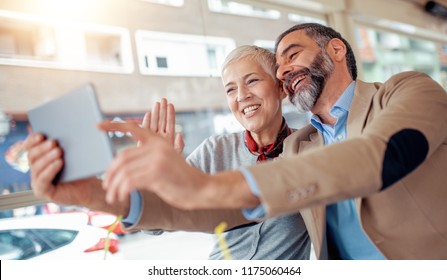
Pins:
<point x="253" y="96"/>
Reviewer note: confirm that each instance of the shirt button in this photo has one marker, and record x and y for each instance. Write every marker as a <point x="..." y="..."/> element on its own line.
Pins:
<point x="339" y="137"/>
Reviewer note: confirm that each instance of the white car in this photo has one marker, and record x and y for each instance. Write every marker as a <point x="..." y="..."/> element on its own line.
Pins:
<point x="55" y="236"/>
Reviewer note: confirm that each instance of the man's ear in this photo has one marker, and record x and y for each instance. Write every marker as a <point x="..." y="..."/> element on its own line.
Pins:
<point x="336" y="49"/>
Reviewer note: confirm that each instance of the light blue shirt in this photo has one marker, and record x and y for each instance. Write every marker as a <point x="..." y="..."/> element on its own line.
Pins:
<point x="135" y="209"/>
<point x="343" y="224"/>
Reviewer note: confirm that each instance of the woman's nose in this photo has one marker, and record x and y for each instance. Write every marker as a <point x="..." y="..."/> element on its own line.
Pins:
<point x="242" y="94"/>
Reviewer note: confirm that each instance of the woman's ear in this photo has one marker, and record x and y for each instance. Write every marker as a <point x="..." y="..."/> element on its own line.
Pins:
<point x="336" y="49"/>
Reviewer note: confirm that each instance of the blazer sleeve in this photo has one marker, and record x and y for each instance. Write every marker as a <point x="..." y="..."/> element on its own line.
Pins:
<point x="158" y="215"/>
<point x="404" y="123"/>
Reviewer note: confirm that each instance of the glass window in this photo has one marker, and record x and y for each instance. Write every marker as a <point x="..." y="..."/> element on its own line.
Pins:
<point x="212" y="58"/>
<point x="33" y="41"/>
<point x="443" y="49"/>
<point x="242" y="9"/>
<point x="266" y="44"/>
<point x="303" y="19"/>
<point x="162" y="62"/>
<point x="384" y="54"/>
<point x="182" y="54"/>
<point x="175" y="3"/>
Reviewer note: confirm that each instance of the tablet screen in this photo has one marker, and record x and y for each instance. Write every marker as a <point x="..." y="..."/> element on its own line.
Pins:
<point x="72" y="121"/>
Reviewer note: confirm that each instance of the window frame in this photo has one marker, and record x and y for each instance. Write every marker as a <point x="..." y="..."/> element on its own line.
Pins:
<point x="82" y="30"/>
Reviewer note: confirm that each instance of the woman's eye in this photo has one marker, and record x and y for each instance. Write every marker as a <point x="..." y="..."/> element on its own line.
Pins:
<point x="252" y="81"/>
<point x="230" y="91"/>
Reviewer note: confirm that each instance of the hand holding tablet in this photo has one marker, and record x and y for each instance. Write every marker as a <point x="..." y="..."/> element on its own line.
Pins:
<point x="72" y="121"/>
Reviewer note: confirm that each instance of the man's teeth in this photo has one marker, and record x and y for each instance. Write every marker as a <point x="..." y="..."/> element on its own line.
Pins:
<point x="296" y="81"/>
<point x="250" y="109"/>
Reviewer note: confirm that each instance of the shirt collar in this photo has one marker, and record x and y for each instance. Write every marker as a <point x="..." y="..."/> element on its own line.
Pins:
<point x="345" y="100"/>
<point x="341" y="106"/>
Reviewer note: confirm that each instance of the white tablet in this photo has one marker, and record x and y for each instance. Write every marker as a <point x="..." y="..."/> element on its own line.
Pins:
<point x="72" y="121"/>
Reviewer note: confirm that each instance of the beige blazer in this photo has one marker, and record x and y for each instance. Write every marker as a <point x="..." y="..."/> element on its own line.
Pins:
<point x="401" y="202"/>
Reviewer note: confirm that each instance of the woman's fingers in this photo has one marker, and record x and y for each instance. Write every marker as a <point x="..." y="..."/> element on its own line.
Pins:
<point x="161" y="120"/>
<point x="154" y="117"/>
<point x="162" y="116"/>
<point x="170" y="125"/>
<point x="146" y="120"/>
<point x="146" y="123"/>
<point x="179" y="144"/>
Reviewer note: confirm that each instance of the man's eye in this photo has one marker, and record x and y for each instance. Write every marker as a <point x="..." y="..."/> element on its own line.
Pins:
<point x="230" y="91"/>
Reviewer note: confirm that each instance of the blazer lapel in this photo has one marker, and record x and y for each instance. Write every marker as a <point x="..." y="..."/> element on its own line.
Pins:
<point x="360" y="106"/>
<point x="358" y="113"/>
<point x="315" y="220"/>
<point x="315" y="217"/>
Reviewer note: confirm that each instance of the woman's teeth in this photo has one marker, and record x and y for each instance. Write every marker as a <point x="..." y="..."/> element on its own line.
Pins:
<point x="250" y="109"/>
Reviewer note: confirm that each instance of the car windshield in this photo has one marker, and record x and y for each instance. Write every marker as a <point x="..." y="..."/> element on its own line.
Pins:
<point x="22" y="244"/>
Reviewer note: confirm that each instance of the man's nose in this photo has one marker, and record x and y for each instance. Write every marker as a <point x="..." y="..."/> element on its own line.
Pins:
<point x="283" y="71"/>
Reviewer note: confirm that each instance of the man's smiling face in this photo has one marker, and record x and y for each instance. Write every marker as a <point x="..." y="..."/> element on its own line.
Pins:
<point x="303" y="68"/>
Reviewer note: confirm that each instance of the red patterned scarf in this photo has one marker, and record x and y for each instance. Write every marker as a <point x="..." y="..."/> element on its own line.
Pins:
<point x="268" y="151"/>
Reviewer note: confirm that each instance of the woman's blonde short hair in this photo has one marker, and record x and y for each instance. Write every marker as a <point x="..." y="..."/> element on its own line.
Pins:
<point x="264" y="57"/>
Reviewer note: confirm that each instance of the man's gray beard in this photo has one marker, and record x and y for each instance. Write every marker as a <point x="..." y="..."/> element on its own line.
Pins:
<point x="321" y="68"/>
<point x="306" y="99"/>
